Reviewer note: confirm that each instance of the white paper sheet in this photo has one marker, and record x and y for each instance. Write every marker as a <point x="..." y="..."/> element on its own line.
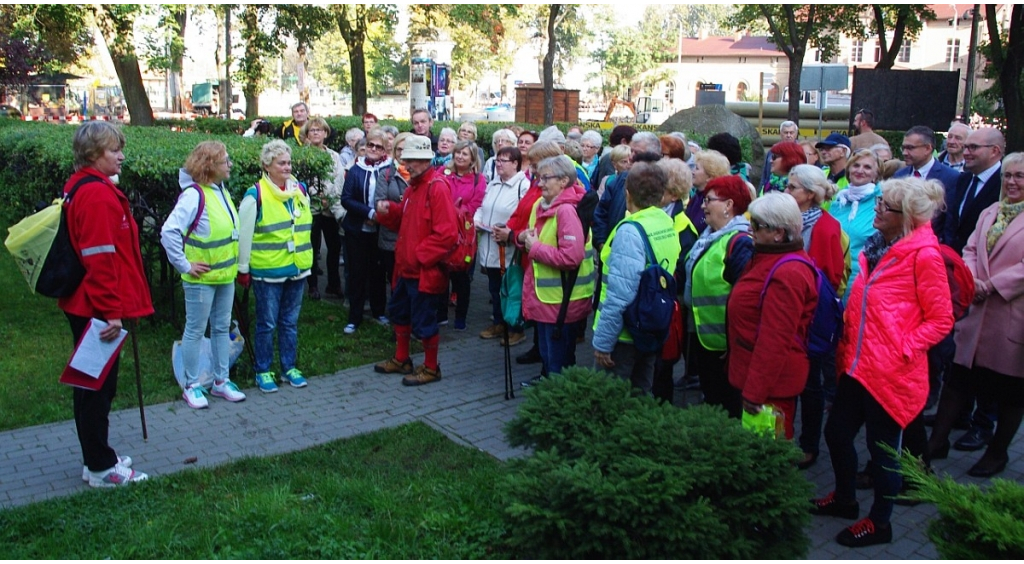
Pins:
<point x="93" y="354"/>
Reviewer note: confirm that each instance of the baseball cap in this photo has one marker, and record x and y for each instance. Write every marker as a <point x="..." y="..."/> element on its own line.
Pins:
<point x="417" y="147"/>
<point x="832" y="140"/>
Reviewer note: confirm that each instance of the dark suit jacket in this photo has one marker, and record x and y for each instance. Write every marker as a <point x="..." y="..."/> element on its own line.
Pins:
<point x="956" y="228"/>
<point x="941" y="172"/>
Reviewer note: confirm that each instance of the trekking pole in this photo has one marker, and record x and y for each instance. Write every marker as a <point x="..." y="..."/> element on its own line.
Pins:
<point x="138" y="376"/>
<point x="509" y="391"/>
<point x="242" y="314"/>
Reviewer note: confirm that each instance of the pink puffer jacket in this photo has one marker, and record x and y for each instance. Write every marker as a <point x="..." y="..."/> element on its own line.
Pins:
<point x="894" y="315"/>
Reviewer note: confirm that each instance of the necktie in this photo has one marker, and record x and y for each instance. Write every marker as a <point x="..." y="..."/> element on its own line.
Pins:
<point x="970" y="195"/>
<point x="917" y="174"/>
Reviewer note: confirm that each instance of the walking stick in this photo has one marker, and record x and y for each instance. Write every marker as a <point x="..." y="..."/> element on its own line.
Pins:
<point x="509" y="388"/>
<point x="138" y="376"/>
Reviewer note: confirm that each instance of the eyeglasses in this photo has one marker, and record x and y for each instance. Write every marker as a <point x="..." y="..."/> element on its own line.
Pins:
<point x="375" y="146"/>
<point x="316" y="130"/>
<point x="502" y="161"/>
<point x="974" y="147"/>
<point x="756" y="225"/>
<point x="548" y="177"/>
<point x="907" y="148"/>
<point x="226" y="161"/>
<point x="1018" y="176"/>
<point x="587" y="146"/>
<point x="710" y="199"/>
<point x="882" y="205"/>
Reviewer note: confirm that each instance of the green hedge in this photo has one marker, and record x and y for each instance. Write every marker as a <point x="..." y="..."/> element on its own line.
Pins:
<point x="623" y="476"/>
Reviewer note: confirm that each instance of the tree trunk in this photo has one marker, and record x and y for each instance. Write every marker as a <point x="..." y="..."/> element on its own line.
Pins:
<point x="225" y="95"/>
<point x="357" y="62"/>
<point x="796" y="68"/>
<point x="178" y="102"/>
<point x="117" y="31"/>
<point x="300" y="72"/>
<point x="549" y="63"/>
<point x="1010" y="75"/>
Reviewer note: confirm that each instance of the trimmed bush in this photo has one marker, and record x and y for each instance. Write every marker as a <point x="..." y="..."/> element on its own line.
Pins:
<point x="619" y="475"/>
<point x="973" y="524"/>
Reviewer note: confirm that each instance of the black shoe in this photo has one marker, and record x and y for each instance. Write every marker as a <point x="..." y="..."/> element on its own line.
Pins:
<point x="975" y="439"/>
<point x="531" y="356"/>
<point x="829" y="507"/>
<point x="906" y="491"/>
<point x="864" y="533"/>
<point x="314" y="294"/>
<point x="987" y="467"/>
<point x="864" y="481"/>
<point x="532" y="382"/>
<point x="807" y="461"/>
<point x="335" y="293"/>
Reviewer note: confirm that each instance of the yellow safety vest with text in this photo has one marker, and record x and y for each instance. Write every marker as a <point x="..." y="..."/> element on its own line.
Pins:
<point x="219" y="249"/>
<point x="281" y="245"/>
<point x="548" y="279"/>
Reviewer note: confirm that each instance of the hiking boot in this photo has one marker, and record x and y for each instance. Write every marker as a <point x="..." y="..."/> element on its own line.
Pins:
<point x="195" y="397"/>
<point x="266" y="382"/>
<point x="864" y="533"/>
<point x="829" y="507"/>
<point x="119" y="475"/>
<point x="295" y="378"/>
<point x="125" y="461"/>
<point x="422" y="375"/>
<point x="227" y="390"/>
<point x="314" y="294"/>
<point x="493" y="332"/>
<point x="393" y="366"/>
<point x="513" y="339"/>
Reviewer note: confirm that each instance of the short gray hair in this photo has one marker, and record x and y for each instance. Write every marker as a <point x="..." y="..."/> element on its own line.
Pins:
<point x="505" y="134"/>
<point x="272" y="150"/>
<point x="594" y="138"/>
<point x="647" y="140"/>
<point x="353" y="135"/>
<point x="560" y="166"/>
<point x="389" y="129"/>
<point x="812" y="179"/>
<point x="786" y="124"/>
<point x="776" y="209"/>
<point x="678" y="178"/>
<point x="447" y="131"/>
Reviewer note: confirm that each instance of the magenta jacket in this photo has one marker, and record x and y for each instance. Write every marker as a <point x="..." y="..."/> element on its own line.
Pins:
<point x="467" y="190"/>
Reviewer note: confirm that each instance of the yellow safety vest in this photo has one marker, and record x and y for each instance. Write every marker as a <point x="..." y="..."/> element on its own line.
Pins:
<point x="710" y="293"/>
<point x="548" y="279"/>
<point x="664" y="239"/>
<point x="281" y="246"/>
<point x="220" y="248"/>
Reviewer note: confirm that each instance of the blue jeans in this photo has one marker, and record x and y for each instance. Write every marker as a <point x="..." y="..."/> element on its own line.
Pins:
<point x="277" y="307"/>
<point x="556" y="353"/>
<point x="206" y="302"/>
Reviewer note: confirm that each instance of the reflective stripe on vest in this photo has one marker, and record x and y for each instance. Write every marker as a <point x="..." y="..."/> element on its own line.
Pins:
<point x="280" y="245"/>
<point x="219" y="249"/>
<point x="710" y="294"/>
<point x="547" y="279"/>
<point x="664" y="240"/>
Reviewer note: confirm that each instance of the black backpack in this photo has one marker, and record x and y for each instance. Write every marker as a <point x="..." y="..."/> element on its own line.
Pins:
<point x="585" y="211"/>
<point x="648" y="316"/>
<point x="62" y="271"/>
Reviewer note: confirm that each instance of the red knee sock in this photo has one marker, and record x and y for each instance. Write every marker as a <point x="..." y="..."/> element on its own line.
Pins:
<point x="402" y="335"/>
<point x="430" y="350"/>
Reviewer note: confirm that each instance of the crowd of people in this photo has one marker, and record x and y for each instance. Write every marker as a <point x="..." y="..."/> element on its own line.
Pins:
<point x="752" y="264"/>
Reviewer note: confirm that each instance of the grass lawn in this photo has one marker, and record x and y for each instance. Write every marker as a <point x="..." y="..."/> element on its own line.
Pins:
<point x="37" y="344"/>
<point x="404" y="493"/>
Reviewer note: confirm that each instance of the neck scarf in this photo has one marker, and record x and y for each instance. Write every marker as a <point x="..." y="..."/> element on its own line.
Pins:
<point x="875" y="248"/>
<point x="1007" y="213"/>
<point x="810" y="218"/>
<point x="853" y="195"/>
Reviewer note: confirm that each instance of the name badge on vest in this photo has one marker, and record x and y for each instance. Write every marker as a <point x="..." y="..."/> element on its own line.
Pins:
<point x="296" y="213"/>
<point x="234" y="234"/>
<point x="291" y="246"/>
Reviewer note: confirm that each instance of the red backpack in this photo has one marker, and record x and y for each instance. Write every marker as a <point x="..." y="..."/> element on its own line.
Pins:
<point x="460" y="258"/>
<point x="961" y="281"/>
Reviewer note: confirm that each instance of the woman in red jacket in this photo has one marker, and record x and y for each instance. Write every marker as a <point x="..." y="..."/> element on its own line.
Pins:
<point x="899" y="307"/>
<point x="106" y="238"/>
<point x="767" y="333"/>
<point x="823" y="242"/>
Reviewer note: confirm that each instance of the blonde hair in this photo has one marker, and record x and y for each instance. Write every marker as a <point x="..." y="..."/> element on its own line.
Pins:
<point x="92" y="139"/>
<point x="919" y="199"/>
<point x="474" y="156"/>
<point x="202" y="161"/>
<point x="272" y="150"/>
<point x="620" y="153"/>
<point x="542" y="150"/>
<point x="715" y="164"/>
<point x="399" y="139"/>
<point x="317" y="121"/>
<point x="866" y="154"/>
<point x="678" y="178"/>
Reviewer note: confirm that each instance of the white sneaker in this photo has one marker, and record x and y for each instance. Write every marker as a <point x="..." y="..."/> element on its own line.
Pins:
<point x="125" y="461"/>
<point x="350" y="328"/>
<point x="117" y="476"/>
<point x="383" y="320"/>
<point x="227" y="390"/>
<point x="195" y="397"/>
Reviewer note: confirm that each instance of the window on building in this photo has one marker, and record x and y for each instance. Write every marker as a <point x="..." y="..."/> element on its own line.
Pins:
<point x="857" y="52"/>
<point x="817" y="56"/>
<point x="904" y="56"/>
<point x="878" y="51"/>
<point x="952" y="50"/>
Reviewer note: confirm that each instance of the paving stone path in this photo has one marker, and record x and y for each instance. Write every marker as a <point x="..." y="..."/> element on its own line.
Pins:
<point x="468" y="405"/>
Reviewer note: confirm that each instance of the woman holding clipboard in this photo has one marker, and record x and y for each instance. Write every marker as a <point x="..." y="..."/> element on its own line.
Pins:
<point x="104" y="234"/>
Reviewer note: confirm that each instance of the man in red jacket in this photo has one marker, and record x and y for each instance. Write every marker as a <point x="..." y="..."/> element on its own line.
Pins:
<point x="427" y="232"/>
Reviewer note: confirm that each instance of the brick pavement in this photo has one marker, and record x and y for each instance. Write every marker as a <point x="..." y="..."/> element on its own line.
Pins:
<point x="468" y="406"/>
